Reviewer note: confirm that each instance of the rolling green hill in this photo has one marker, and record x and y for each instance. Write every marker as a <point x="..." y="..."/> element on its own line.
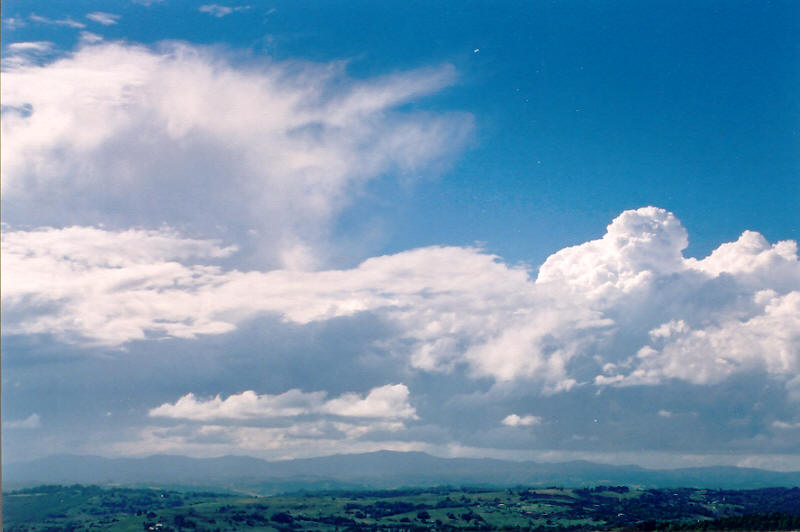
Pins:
<point x="83" y="508"/>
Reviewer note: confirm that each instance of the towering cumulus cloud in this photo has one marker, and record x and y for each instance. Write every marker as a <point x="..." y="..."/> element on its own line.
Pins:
<point x="697" y="320"/>
<point x="626" y="309"/>
<point x="180" y="135"/>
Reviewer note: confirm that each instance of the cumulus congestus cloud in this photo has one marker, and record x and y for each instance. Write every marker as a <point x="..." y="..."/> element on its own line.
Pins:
<point x="626" y="309"/>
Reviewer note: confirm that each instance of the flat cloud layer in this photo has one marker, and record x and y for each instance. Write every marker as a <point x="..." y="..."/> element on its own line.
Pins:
<point x="622" y="310"/>
<point x="299" y="440"/>
<point x="131" y="136"/>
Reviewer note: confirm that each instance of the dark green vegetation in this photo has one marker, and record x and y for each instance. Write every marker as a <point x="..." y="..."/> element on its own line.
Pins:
<point x="56" y="508"/>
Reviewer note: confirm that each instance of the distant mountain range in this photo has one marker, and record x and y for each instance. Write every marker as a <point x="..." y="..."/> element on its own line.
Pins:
<point x="378" y="470"/>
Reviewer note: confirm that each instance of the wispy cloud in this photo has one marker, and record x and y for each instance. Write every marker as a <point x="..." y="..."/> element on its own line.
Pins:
<point x="301" y="139"/>
<point x="220" y="11"/>
<point x="31" y="422"/>
<point x="21" y="54"/>
<point x="13" y="23"/>
<point x="68" y="22"/>
<point x="90" y="38"/>
<point x="106" y="19"/>
<point x="782" y="425"/>
<point x="31" y="46"/>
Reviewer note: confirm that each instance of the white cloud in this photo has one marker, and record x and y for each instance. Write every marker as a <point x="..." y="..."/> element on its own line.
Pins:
<point x="793" y="387"/>
<point x="300" y="440"/>
<point x="754" y="262"/>
<point x="13" y="23"/>
<point x="277" y="147"/>
<point x="57" y="22"/>
<point x="20" y="54"/>
<point x="622" y="310"/>
<point x="106" y="19"/>
<point x="246" y="405"/>
<point x="216" y="10"/>
<point x="390" y="401"/>
<point x="451" y="306"/>
<point x="306" y="440"/>
<point x="107" y="285"/>
<point x="90" y="38"/>
<point x="385" y="402"/>
<point x="288" y="425"/>
<point x="783" y="425"/>
<point x="31" y="46"/>
<point x="221" y="11"/>
<point x="638" y="245"/>
<point x="31" y="422"/>
<point x="768" y="341"/>
<point x="514" y="420"/>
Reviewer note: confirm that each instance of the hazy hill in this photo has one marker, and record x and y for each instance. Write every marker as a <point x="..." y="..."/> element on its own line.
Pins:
<point x="383" y="469"/>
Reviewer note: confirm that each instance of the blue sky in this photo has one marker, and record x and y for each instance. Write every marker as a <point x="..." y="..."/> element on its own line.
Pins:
<point x="396" y="225"/>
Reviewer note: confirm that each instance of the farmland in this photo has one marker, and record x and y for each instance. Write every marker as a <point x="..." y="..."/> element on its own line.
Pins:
<point x="79" y="508"/>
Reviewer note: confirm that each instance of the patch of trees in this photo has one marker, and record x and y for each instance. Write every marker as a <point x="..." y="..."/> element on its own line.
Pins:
<point x="395" y="493"/>
<point x="383" y="508"/>
<point x="771" y="521"/>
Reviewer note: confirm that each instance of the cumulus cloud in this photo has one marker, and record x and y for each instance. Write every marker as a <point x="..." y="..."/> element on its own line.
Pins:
<point x="106" y="19"/>
<point x="300" y="424"/>
<point x="768" y="341"/>
<point x="290" y="424"/>
<point x="514" y="420"/>
<point x="386" y="402"/>
<point x="219" y="144"/>
<point x="638" y="245"/>
<point x="626" y="309"/>
<point x="245" y="405"/>
<point x="390" y="401"/>
<point x="754" y="262"/>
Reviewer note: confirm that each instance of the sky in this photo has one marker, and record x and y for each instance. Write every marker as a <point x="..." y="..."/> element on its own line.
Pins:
<point x="525" y="230"/>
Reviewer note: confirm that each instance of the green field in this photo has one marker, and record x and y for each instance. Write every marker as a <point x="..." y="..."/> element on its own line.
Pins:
<point x="57" y="508"/>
